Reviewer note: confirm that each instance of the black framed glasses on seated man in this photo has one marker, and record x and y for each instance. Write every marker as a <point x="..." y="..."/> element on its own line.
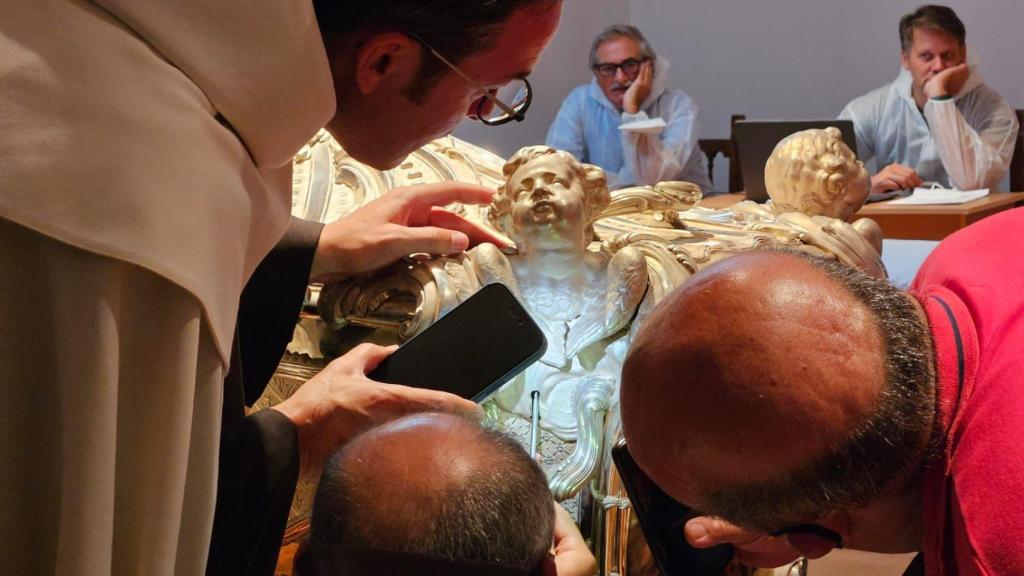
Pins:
<point x="499" y="105"/>
<point x="630" y="67"/>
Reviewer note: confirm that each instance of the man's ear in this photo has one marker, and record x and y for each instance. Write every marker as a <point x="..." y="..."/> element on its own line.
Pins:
<point x="905" y="59"/>
<point x="386" y="57"/>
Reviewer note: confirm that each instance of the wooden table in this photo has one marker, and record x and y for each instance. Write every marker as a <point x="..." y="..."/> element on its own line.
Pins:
<point x="935" y="222"/>
<point x="915" y="222"/>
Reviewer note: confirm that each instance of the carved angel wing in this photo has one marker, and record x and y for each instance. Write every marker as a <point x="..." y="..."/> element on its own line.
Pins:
<point x="628" y="280"/>
<point x="627" y="284"/>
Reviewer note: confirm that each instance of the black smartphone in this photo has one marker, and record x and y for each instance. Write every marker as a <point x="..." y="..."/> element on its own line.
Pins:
<point x="482" y="343"/>
<point x="661" y="520"/>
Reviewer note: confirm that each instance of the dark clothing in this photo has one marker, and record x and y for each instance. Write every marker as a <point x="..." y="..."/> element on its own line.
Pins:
<point x="259" y="453"/>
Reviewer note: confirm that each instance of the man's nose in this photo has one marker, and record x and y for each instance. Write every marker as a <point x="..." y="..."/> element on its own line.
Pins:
<point x="620" y="76"/>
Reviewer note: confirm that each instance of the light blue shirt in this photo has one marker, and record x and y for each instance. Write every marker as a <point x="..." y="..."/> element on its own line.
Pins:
<point x="587" y="126"/>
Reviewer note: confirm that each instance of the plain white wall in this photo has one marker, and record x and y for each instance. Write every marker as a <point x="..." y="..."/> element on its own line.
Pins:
<point x="562" y="67"/>
<point x="780" y="59"/>
<point x="807" y="58"/>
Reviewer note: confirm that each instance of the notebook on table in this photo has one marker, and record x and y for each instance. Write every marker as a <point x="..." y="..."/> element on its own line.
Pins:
<point x="931" y="195"/>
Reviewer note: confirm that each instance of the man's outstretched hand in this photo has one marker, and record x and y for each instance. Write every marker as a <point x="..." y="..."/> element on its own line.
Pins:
<point x="895" y="177"/>
<point x="340" y="402"/>
<point x="404" y="221"/>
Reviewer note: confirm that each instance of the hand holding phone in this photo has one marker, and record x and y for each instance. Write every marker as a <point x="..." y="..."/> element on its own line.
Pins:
<point x="339" y="402"/>
<point x="471" y="351"/>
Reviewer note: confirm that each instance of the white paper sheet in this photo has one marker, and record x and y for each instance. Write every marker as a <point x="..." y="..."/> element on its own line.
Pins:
<point x="922" y="196"/>
<point x="649" y="126"/>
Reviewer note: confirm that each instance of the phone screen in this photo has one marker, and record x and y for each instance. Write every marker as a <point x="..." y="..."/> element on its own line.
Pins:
<point x="662" y="519"/>
<point x="471" y="351"/>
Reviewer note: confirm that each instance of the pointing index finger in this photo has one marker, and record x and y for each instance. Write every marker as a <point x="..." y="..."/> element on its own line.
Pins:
<point x="444" y="193"/>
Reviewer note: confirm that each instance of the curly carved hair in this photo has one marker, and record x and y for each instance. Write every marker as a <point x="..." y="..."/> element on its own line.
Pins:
<point x="595" y="187"/>
<point x="812" y="156"/>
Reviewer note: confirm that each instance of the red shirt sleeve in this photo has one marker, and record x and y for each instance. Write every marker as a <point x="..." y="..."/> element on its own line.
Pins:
<point x="983" y="267"/>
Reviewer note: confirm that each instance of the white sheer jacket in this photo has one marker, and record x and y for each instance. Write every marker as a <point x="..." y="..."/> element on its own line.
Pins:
<point x="587" y="126"/>
<point x="965" y="142"/>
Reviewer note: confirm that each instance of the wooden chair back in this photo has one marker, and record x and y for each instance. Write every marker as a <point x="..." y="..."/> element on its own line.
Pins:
<point x="712" y="147"/>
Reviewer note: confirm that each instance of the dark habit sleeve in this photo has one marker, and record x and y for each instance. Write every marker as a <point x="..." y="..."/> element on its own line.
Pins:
<point x="259" y="454"/>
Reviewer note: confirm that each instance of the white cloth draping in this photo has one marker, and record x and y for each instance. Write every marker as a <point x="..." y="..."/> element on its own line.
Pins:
<point x="112" y="390"/>
<point x="145" y="170"/>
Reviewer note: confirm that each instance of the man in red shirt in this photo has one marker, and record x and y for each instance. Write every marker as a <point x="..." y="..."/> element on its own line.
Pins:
<point x="811" y="407"/>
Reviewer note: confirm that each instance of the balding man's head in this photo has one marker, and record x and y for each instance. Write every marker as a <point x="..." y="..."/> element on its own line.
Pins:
<point x="773" y="386"/>
<point x="437" y="485"/>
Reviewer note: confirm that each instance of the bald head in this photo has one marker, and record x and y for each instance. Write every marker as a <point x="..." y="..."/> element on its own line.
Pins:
<point x="755" y="370"/>
<point x="436" y="484"/>
<point x="425" y="454"/>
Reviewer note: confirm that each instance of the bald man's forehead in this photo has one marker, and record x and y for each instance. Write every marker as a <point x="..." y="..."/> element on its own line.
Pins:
<point x="749" y="282"/>
<point x="758" y="365"/>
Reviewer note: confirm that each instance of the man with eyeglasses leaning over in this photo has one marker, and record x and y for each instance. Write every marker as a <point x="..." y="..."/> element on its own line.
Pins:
<point x="145" y="178"/>
<point x="607" y="122"/>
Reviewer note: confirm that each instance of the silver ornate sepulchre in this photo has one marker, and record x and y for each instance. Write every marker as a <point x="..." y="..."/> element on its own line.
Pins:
<point x="589" y="265"/>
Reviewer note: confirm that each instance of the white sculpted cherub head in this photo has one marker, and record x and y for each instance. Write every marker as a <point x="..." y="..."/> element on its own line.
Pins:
<point x="549" y="200"/>
<point x="816" y="173"/>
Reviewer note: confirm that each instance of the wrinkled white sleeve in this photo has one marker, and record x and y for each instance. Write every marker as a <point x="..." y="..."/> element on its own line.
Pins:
<point x="653" y="158"/>
<point x="566" y="131"/>
<point x="973" y="158"/>
<point x="863" y="128"/>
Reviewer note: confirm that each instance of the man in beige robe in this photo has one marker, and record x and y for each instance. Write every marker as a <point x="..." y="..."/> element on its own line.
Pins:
<point x="145" y="156"/>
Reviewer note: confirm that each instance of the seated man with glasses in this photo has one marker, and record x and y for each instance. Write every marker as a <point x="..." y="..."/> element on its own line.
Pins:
<point x="596" y="121"/>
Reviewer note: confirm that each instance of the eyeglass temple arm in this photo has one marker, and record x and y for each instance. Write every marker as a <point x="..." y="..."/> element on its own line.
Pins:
<point x="504" y="107"/>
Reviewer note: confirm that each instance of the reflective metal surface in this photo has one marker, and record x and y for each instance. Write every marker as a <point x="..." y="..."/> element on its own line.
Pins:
<point x="630" y="248"/>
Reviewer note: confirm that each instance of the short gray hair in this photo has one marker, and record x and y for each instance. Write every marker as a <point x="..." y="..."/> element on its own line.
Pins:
<point x="622" y="31"/>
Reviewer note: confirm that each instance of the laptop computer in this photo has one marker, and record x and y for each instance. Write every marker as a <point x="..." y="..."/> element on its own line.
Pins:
<point x="756" y="140"/>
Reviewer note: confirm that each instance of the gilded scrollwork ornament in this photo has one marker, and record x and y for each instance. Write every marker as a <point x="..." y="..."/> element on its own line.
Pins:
<point x="588" y="263"/>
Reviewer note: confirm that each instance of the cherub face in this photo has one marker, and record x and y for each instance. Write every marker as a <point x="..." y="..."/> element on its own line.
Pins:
<point x="548" y="203"/>
<point x="857" y="189"/>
